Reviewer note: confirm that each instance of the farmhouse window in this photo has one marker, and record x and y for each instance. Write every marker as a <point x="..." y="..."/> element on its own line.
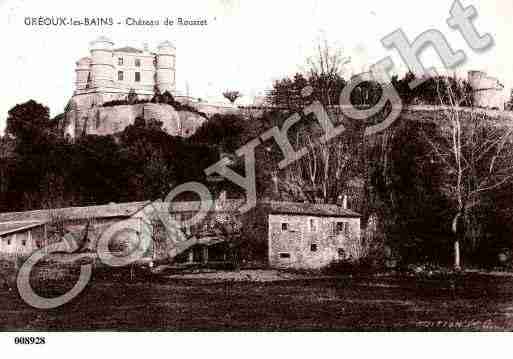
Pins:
<point x="284" y="226"/>
<point x="120" y="76"/>
<point x="341" y="228"/>
<point x="23" y="243"/>
<point x="137" y="77"/>
<point x="120" y="61"/>
<point x="137" y="63"/>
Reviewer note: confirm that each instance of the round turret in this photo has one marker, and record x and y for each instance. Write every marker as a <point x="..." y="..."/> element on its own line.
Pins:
<point x="487" y="92"/>
<point x="102" y="67"/>
<point x="475" y="79"/>
<point x="165" y="67"/>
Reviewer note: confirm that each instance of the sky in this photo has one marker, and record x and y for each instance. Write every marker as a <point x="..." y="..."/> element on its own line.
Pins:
<point x="245" y="46"/>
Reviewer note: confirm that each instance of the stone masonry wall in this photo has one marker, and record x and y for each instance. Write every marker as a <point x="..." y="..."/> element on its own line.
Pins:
<point x="302" y="245"/>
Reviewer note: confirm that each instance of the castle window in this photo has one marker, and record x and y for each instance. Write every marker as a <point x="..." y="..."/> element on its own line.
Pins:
<point x="284" y="226"/>
<point x="284" y="255"/>
<point x="137" y="63"/>
<point x="120" y="61"/>
<point x="137" y="77"/>
<point x="313" y="247"/>
<point x="120" y="75"/>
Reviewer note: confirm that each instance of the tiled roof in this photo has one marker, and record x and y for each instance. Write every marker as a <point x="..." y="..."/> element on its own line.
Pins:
<point x="129" y="49"/>
<point x="229" y="205"/>
<point x="128" y="209"/>
<point x="11" y="227"/>
<point x="102" y="211"/>
<point x="314" y="209"/>
<point x="232" y="205"/>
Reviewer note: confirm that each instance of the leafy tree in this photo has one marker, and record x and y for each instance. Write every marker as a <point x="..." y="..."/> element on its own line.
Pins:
<point x="28" y="121"/>
<point x="223" y="131"/>
<point x="132" y="97"/>
<point x="434" y="90"/>
<point x="232" y="95"/>
<point x="167" y="98"/>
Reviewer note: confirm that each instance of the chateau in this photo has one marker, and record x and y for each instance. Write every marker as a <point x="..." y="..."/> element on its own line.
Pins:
<point x="110" y="73"/>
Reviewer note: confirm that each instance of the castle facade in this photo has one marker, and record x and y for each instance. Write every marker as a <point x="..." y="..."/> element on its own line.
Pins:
<point x="110" y="73"/>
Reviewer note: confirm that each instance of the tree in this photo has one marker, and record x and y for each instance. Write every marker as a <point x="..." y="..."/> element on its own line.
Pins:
<point x="157" y="96"/>
<point x="147" y="150"/>
<point x="323" y="174"/>
<point x="287" y="93"/>
<point x="132" y="97"/>
<point x="28" y="121"/>
<point x="232" y="95"/>
<point x="474" y="157"/>
<point x="167" y="98"/>
<point x="326" y="72"/>
<point x="7" y="161"/>
<point x="433" y="90"/>
<point x="222" y="131"/>
<point x="322" y="81"/>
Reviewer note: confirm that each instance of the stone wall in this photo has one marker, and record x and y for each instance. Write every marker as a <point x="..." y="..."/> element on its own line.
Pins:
<point x="311" y="241"/>
<point x="113" y="119"/>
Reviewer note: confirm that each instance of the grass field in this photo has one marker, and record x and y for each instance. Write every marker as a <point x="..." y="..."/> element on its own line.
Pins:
<point x="399" y="302"/>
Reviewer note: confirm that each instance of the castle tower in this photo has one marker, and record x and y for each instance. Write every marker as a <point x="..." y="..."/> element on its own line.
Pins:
<point x="83" y="73"/>
<point x="487" y="92"/>
<point x="165" y="67"/>
<point x="102" y="67"/>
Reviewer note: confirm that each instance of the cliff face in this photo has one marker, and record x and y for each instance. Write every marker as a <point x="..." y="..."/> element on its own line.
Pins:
<point x="109" y="120"/>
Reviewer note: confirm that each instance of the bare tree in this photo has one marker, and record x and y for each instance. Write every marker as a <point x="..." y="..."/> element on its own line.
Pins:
<point x="232" y="96"/>
<point x="326" y="68"/>
<point x="476" y="157"/>
<point x="322" y="174"/>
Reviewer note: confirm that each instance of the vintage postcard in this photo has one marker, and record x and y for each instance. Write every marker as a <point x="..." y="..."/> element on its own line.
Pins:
<point x="242" y="166"/>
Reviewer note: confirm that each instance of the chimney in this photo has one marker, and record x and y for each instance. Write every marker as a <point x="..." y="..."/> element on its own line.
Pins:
<point x="344" y="201"/>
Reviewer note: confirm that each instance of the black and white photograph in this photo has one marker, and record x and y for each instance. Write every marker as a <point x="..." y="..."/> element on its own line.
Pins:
<point x="255" y="167"/>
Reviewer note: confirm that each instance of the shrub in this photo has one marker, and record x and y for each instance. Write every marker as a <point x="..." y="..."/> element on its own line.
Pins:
<point x="352" y="266"/>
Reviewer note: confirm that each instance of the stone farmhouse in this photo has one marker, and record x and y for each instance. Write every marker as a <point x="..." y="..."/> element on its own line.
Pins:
<point x="21" y="238"/>
<point x="22" y="233"/>
<point x="276" y="234"/>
